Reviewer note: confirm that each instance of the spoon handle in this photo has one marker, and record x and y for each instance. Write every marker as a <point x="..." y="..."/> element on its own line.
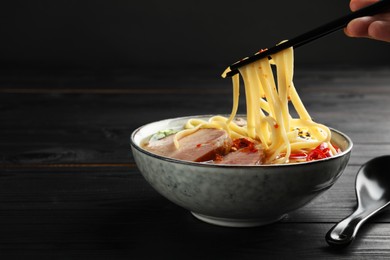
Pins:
<point x="343" y="233"/>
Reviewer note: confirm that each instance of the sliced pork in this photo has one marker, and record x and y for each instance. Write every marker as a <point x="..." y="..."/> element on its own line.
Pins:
<point x="243" y="156"/>
<point x="244" y="152"/>
<point x="202" y="145"/>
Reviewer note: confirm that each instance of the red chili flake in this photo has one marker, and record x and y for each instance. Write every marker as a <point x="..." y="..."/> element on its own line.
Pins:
<point x="249" y="149"/>
<point x="252" y="148"/>
<point x="298" y="155"/>
<point x="320" y="152"/>
<point x="315" y="154"/>
<point x="241" y="143"/>
<point x="198" y="145"/>
<point x="276" y="125"/>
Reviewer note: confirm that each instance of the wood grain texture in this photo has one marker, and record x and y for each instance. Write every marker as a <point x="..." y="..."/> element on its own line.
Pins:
<point x="87" y="211"/>
<point x="91" y="128"/>
<point x="69" y="187"/>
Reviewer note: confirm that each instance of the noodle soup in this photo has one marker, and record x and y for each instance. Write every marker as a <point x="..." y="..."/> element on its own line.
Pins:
<point x="231" y="194"/>
<point x="269" y="135"/>
<point x="213" y="145"/>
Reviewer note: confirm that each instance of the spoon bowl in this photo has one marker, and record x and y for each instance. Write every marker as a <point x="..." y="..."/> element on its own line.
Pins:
<point x="373" y="194"/>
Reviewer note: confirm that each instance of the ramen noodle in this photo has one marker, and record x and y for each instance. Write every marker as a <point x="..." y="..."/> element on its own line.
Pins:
<point x="269" y="121"/>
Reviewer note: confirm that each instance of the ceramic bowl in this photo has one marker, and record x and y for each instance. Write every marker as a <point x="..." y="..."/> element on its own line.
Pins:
<point x="237" y="196"/>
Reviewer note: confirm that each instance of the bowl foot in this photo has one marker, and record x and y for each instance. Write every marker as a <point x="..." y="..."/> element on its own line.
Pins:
<point x="232" y="222"/>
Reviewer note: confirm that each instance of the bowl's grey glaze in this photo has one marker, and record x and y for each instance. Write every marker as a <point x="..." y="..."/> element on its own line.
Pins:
<point x="237" y="196"/>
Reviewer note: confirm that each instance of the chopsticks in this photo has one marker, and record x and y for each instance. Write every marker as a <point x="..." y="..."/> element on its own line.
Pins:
<point x="312" y="34"/>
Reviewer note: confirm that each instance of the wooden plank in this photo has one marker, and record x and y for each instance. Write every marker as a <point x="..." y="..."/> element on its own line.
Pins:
<point x="92" y="128"/>
<point x="108" y="188"/>
<point x="186" y="239"/>
<point x="69" y="187"/>
<point x="119" y="109"/>
<point x="99" y="211"/>
<point x="336" y="203"/>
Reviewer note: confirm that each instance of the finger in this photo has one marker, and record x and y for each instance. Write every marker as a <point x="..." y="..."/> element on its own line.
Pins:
<point x="358" y="27"/>
<point x="379" y="30"/>
<point x="359" y="4"/>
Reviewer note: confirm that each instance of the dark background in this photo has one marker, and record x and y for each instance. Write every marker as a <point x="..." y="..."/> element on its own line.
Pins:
<point x="98" y="34"/>
<point x="77" y="77"/>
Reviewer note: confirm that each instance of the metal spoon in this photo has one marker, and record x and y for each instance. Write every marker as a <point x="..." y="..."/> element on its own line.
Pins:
<point x="373" y="194"/>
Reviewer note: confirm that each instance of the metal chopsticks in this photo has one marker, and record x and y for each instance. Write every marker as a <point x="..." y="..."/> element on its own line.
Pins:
<point x="312" y="34"/>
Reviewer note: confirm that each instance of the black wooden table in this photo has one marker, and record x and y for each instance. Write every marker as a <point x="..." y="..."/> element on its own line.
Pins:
<point x="69" y="188"/>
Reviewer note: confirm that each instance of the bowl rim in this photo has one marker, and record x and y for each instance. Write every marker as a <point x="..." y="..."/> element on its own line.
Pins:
<point x="203" y="164"/>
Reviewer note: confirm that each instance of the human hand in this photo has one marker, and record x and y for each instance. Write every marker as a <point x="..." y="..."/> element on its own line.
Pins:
<point x="374" y="27"/>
